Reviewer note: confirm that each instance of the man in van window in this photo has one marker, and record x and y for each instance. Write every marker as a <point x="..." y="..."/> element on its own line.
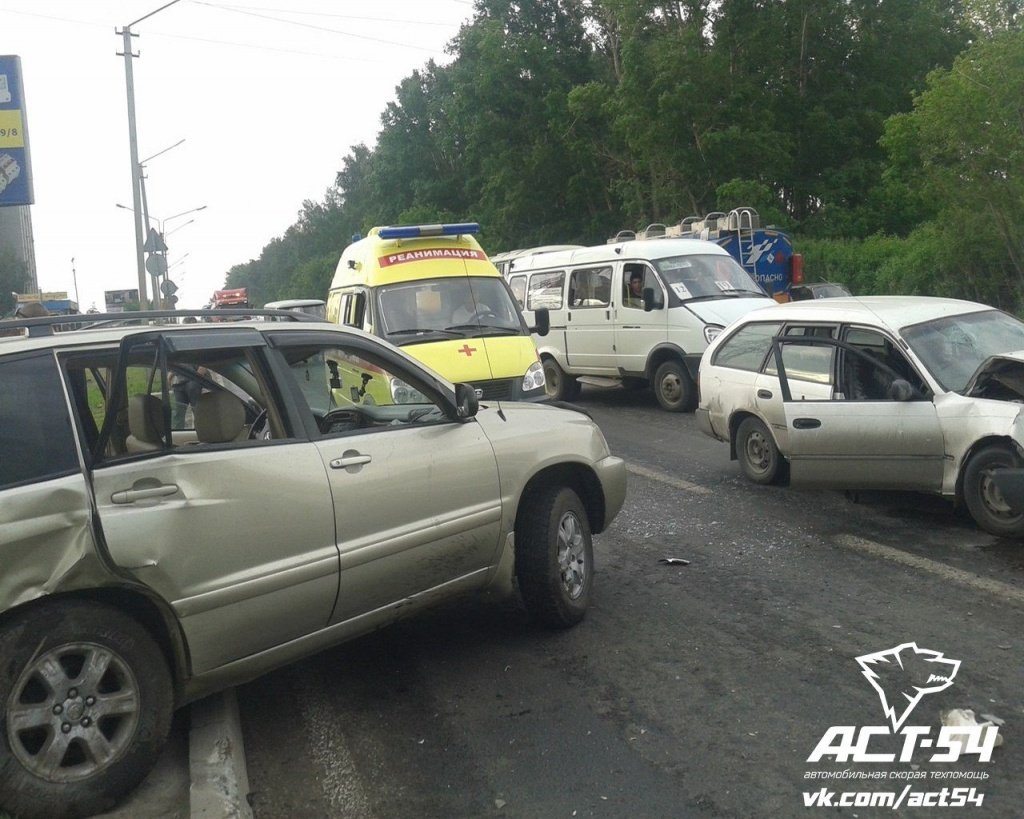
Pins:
<point x="634" y="289"/>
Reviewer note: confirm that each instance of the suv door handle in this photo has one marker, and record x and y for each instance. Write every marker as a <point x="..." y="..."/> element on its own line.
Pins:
<point x="806" y="423"/>
<point x="764" y="393"/>
<point x="350" y="460"/>
<point x="132" y="495"/>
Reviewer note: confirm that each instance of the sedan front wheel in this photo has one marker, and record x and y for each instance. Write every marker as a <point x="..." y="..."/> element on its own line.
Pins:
<point x="985" y="502"/>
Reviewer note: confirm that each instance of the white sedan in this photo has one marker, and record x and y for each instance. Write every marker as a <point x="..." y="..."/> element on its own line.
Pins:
<point x="882" y="392"/>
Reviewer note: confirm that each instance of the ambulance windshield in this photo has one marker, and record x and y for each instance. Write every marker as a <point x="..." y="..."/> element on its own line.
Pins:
<point x="456" y="307"/>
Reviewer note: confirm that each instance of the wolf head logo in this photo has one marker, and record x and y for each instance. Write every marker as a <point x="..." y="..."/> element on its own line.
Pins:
<point x="904" y="674"/>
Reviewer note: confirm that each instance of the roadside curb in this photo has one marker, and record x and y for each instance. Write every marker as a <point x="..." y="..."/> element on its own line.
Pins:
<point x="220" y="782"/>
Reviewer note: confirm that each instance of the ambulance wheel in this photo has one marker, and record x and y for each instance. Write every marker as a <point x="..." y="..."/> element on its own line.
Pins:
<point x="674" y="388"/>
<point x="559" y="385"/>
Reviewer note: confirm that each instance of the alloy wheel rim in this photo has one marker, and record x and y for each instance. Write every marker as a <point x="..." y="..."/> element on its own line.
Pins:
<point x="572" y="555"/>
<point x="73" y="712"/>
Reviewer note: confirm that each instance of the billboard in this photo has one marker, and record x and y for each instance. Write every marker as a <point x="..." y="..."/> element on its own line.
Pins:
<point x="15" y="168"/>
<point x="117" y="301"/>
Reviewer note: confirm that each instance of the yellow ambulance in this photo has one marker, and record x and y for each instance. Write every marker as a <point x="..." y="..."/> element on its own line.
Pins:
<point x="431" y="290"/>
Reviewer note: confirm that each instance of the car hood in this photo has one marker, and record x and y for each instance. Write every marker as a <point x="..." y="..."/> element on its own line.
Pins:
<point x="726" y="311"/>
<point x="997" y="375"/>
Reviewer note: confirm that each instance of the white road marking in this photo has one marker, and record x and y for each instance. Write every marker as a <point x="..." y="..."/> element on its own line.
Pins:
<point x="661" y="477"/>
<point x="996" y="588"/>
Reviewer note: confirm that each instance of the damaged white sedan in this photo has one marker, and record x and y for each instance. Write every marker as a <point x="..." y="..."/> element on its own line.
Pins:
<point x="883" y="392"/>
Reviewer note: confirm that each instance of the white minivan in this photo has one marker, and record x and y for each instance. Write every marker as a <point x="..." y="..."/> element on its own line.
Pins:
<point x="636" y="312"/>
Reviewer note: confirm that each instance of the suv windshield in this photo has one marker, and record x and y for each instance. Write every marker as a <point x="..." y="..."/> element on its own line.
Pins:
<point x="707" y="276"/>
<point x="953" y="348"/>
<point x="457" y="307"/>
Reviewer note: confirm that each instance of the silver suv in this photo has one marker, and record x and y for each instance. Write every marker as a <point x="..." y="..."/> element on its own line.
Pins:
<point x="186" y="506"/>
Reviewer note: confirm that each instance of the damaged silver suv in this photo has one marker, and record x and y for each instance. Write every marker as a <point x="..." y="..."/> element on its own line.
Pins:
<point x="186" y="506"/>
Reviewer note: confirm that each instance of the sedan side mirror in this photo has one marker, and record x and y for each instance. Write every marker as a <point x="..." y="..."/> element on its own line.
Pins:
<point x="467" y="402"/>
<point x="543" y="317"/>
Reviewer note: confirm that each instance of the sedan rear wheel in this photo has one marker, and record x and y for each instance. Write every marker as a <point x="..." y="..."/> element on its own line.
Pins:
<point x="985" y="502"/>
<point x="758" y="455"/>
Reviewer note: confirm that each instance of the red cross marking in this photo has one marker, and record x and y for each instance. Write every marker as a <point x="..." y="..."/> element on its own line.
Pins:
<point x="465" y="348"/>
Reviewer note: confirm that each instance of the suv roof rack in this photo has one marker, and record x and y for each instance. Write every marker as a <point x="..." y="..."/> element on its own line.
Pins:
<point x="48" y="325"/>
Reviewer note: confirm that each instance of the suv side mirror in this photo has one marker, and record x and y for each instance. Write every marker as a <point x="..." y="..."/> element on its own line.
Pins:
<point x="466" y="401"/>
<point x="543" y="317"/>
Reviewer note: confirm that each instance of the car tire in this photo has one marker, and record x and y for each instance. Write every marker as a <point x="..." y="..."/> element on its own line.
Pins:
<point x="757" y="453"/>
<point x="560" y="385"/>
<point x="673" y="387"/>
<point x="984" y="501"/>
<point x="554" y="557"/>
<point x="93" y="681"/>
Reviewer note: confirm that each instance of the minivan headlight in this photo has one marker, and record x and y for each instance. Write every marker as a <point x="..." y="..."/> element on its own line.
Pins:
<point x="534" y="378"/>
<point x="402" y="393"/>
<point x="712" y="331"/>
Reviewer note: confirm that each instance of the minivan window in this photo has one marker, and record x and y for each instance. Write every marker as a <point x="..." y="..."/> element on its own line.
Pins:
<point x="590" y="287"/>
<point x="545" y="290"/>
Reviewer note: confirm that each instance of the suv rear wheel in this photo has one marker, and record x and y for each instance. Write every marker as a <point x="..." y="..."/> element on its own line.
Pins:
<point x="555" y="556"/>
<point x="86" y="705"/>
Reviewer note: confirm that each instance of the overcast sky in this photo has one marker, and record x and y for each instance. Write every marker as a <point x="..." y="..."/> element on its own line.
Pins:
<point x="268" y="96"/>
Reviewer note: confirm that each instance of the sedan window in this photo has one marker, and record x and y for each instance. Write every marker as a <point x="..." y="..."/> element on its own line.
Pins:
<point x="748" y="347"/>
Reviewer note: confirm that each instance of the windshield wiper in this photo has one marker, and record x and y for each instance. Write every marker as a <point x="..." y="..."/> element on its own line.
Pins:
<point x="500" y="327"/>
<point x="422" y="330"/>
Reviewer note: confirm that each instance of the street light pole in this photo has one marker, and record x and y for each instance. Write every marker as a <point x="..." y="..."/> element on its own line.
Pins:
<point x="133" y="146"/>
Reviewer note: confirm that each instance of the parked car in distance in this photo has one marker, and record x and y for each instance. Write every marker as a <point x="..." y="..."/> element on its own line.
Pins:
<point x="150" y="557"/>
<point x="817" y="290"/>
<point x="315" y="307"/>
<point x="882" y="392"/>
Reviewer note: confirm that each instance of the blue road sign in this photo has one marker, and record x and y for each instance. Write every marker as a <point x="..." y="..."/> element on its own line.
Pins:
<point x="15" y="167"/>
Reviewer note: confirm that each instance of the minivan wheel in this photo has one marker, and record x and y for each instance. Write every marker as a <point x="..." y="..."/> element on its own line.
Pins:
<point x="555" y="557"/>
<point x="85" y="705"/>
<point x="559" y="385"/>
<point x="674" y="388"/>
<point x="757" y="453"/>
<point x="984" y="501"/>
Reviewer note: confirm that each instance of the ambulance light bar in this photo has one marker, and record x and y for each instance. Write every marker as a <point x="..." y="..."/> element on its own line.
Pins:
<point x="416" y="231"/>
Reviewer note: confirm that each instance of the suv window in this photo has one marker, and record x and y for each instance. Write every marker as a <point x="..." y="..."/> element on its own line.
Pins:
<point x="36" y="438"/>
<point x="350" y="390"/>
<point x="747" y="347"/>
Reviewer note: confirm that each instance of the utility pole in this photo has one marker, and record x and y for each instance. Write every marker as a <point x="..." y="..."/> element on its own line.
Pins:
<point x="133" y="145"/>
<point x="74" y="278"/>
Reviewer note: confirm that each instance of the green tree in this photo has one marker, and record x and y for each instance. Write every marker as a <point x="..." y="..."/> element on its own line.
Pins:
<point x="13" y="279"/>
<point x="962" y="146"/>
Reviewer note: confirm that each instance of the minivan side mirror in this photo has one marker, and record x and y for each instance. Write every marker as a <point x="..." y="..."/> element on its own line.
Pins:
<point x="650" y="302"/>
<point x="466" y="401"/>
<point x="543" y="318"/>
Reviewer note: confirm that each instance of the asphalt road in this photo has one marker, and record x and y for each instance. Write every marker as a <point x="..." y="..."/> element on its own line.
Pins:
<point x="689" y="690"/>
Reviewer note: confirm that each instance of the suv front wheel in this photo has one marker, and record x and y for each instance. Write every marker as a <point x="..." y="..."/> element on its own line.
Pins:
<point x="554" y="556"/>
<point x="86" y="703"/>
